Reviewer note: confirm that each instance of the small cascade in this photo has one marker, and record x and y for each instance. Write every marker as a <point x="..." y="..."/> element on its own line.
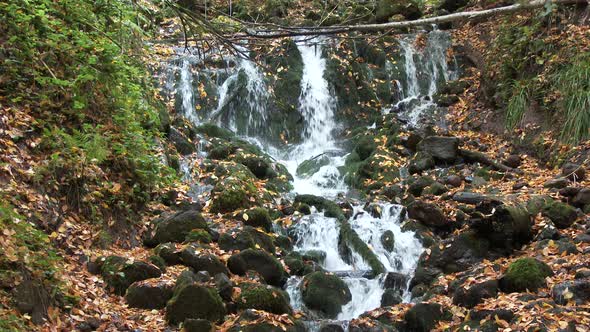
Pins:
<point x="425" y="69"/>
<point x="185" y="91"/>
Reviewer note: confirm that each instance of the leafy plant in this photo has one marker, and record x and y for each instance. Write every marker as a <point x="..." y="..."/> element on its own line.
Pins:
<point x="573" y="82"/>
<point x="517" y="105"/>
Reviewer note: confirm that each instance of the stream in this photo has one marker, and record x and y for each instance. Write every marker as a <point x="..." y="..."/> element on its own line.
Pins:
<point x="424" y="68"/>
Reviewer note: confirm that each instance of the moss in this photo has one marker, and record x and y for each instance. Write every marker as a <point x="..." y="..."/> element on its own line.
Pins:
<point x="312" y="166"/>
<point x="330" y="209"/>
<point x="178" y="226"/>
<point x="562" y="215"/>
<point x="246" y="238"/>
<point x="260" y="261"/>
<point x="257" y="217"/>
<point x="262" y="297"/>
<point x="195" y="301"/>
<point x="304" y="208"/>
<point x="232" y="194"/>
<point x="352" y="239"/>
<point x="325" y="292"/>
<point x="158" y="261"/>
<point x="198" y="235"/>
<point x="211" y="130"/>
<point x="365" y="147"/>
<point x="525" y="274"/>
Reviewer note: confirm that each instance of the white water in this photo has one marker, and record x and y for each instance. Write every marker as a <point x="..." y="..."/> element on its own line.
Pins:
<point x="424" y="69"/>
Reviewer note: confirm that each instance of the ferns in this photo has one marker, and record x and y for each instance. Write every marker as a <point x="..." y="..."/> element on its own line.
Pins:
<point x="573" y="83"/>
<point x="517" y="105"/>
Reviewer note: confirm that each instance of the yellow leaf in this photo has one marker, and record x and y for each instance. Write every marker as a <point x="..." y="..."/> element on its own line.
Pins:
<point x="245" y="217"/>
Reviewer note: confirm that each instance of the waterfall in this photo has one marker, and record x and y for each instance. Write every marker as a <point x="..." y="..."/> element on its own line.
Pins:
<point x="185" y="90"/>
<point x="425" y="69"/>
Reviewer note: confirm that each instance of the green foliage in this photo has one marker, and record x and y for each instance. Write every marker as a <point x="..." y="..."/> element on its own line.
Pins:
<point x="525" y="273"/>
<point x="573" y="82"/>
<point x="78" y="65"/>
<point x="517" y="105"/>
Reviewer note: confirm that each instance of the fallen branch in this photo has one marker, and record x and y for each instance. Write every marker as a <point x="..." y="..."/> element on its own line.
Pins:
<point x="461" y="16"/>
<point x="478" y="157"/>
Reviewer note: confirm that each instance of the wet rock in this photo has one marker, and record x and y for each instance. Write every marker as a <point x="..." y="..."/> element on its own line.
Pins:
<point x="395" y="280"/>
<point x="300" y="267"/>
<point x="475" y="294"/>
<point x="574" y="172"/>
<point x="506" y="226"/>
<point x="374" y="210"/>
<point x="425" y="316"/>
<point x="388" y="240"/>
<point x="525" y="274"/>
<point x="199" y="261"/>
<point x="263" y="297"/>
<point x="557" y="183"/>
<point x="365" y="147"/>
<point x="331" y="327"/>
<point x="197" y="325"/>
<point x="148" y="294"/>
<point x="182" y="144"/>
<point x="391" y="297"/>
<point x="392" y="191"/>
<point x="473" y="198"/>
<point x="582" y="197"/>
<point x="443" y="149"/>
<point x="411" y="142"/>
<point x="257" y="217"/>
<point x="211" y="130"/>
<point x="119" y="273"/>
<point x="577" y="291"/>
<point x="312" y="166"/>
<point x="283" y="242"/>
<point x="246" y="238"/>
<point x="421" y="161"/>
<point x="232" y="194"/>
<point x="317" y="256"/>
<point x="194" y="301"/>
<point x="177" y="227"/>
<point x="513" y="161"/>
<point x="561" y="214"/>
<point x="428" y="214"/>
<point x="260" y="261"/>
<point x="325" y="293"/>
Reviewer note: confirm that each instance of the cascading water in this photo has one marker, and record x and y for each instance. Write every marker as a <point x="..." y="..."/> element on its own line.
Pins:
<point x="423" y="70"/>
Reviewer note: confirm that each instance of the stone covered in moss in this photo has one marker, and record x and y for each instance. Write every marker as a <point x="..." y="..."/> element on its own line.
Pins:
<point x="299" y="266"/>
<point x="312" y="166"/>
<point x="211" y="130"/>
<point x="256" y="321"/>
<point x="562" y="215"/>
<point x="260" y="261"/>
<point x="263" y="297"/>
<point x="425" y="316"/>
<point x="197" y="325"/>
<point x="169" y="253"/>
<point x="148" y="295"/>
<point x="525" y="274"/>
<point x="178" y="226"/>
<point x="246" y="238"/>
<point x="257" y="217"/>
<point x="199" y="261"/>
<point x="232" y="194"/>
<point x="421" y="161"/>
<point x="388" y="240"/>
<point x="325" y="293"/>
<point x="119" y="273"/>
<point x="386" y="9"/>
<point x="198" y="235"/>
<point x="194" y="301"/>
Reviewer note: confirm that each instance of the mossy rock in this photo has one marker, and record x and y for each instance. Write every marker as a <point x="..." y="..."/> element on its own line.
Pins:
<point x="246" y="238"/>
<point x="200" y="261"/>
<point x="232" y="194"/>
<point x="388" y="240"/>
<point x="365" y="146"/>
<point x="259" y="166"/>
<point x="198" y="235"/>
<point x="257" y="217"/>
<point x="256" y="321"/>
<point x="263" y="297"/>
<point x="147" y="295"/>
<point x="386" y="9"/>
<point x="197" y="325"/>
<point x="312" y="166"/>
<point x="525" y="274"/>
<point x="169" y="253"/>
<point x="119" y="273"/>
<point x="211" y="130"/>
<point x="421" y="161"/>
<point x="195" y="302"/>
<point x="330" y="209"/>
<point x="425" y="316"/>
<point x="562" y="215"/>
<point x="325" y="293"/>
<point x="435" y="189"/>
<point x="260" y="261"/>
<point x="239" y="171"/>
<point x="178" y="226"/>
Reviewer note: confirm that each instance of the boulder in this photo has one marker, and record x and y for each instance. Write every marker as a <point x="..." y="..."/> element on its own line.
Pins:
<point x="428" y="214"/>
<point x="513" y="161"/>
<point x="194" y="301"/>
<point x="423" y="317"/>
<point x="260" y="261"/>
<point x="386" y="9"/>
<point x="435" y="189"/>
<point x="388" y="240"/>
<point x="443" y="149"/>
<point x="573" y="172"/>
<point x="182" y="144"/>
<point x="325" y="293"/>
<point x="507" y="227"/>
<point x="119" y="273"/>
<point x="148" y="294"/>
<point x="199" y="261"/>
<point x="312" y="166"/>
<point x="582" y="197"/>
<point x="178" y="226"/>
<point x="471" y="296"/>
<point x="263" y="297"/>
<point x="577" y="291"/>
<point x="417" y="185"/>
<point x="298" y="266"/>
<point x="246" y="238"/>
<point x="556" y="183"/>
<point x="525" y="274"/>
<point x="561" y="214"/>
<point x="224" y="286"/>
<point x="473" y="198"/>
<point x="232" y="194"/>
<point x="454" y="181"/>
<point x="197" y="325"/>
<point x="391" y="297"/>
<point x="169" y="253"/>
<point x="421" y="161"/>
<point x="257" y="217"/>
